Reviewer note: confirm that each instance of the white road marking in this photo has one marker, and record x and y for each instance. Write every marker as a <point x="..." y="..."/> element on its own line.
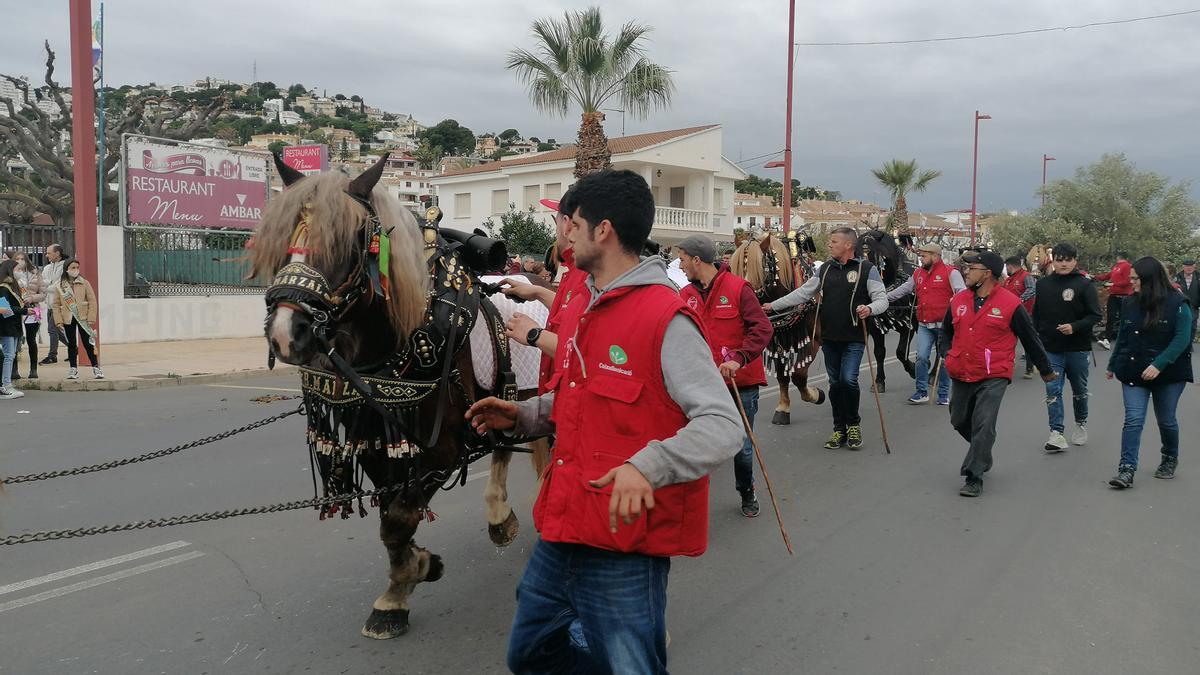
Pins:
<point x="83" y="585"/>
<point x="91" y="567"/>
<point x="244" y="386"/>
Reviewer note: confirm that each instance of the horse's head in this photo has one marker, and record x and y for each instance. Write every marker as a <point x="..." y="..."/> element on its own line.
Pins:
<point x="881" y="250"/>
<point x="766" y="264"/>
<point x="316" y="242"/>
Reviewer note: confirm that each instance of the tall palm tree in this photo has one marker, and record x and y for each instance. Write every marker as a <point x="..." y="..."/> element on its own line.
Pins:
<point x="576" y="61"/>
<point x="899" y="177"/>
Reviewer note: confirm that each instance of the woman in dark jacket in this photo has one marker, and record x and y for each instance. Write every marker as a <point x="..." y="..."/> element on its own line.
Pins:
<point x="12" y="312"/>
<point x="1152" y="358"/>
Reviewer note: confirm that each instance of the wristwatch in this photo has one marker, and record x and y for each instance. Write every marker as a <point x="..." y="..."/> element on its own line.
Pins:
<point x="532" y="336"/>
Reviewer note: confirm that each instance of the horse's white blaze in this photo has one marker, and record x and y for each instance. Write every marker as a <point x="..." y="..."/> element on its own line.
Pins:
<point x="280" y="331"/>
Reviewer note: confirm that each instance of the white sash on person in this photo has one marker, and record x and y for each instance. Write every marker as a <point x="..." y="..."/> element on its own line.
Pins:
<point x="69" y="298"/>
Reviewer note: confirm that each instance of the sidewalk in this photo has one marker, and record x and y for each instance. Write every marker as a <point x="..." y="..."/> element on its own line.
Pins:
<point x="145" y="365"/>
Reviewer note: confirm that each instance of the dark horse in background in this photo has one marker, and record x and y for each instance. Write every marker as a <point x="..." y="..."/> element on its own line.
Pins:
<point x="773" y="270"/>
<point x="881" y="250"/>
<point x="381" y="313"/>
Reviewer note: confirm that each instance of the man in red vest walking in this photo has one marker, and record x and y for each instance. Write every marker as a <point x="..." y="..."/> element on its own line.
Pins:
<point x="1121" y="287"/>
<point x="979" y="338"/>
<point x="641" y="416"/>
<point x="1022" y="284"/>
<point x="738" y="331"/>
<point x="935" y="283"/>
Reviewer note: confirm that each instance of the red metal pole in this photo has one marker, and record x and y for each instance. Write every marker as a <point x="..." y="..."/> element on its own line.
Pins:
<point x="787" y="140"/>
<point x="83" y="140"/>
<point x="974" y="173"/>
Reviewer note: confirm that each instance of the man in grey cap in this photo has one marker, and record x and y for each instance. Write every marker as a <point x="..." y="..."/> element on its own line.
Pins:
<point x="934" y="283"/>
<point x="1189" y="283"/>
<point x="737" y="330"/>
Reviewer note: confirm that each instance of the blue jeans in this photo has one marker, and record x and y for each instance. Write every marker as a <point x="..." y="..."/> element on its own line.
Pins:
<point x="842" y="362"/>
<point x="1166" y="399"/>
<point x="618" y="601"/>
<point x="743" y="462"/>
<point x="927" y="341"/>
<point x="1071" y="366"/>
<point x="9" y="345"/>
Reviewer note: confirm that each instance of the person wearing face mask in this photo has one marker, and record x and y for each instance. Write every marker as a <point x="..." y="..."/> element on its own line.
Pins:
<point x="52" y="273"/>
<point x="979" y="338"/>
<point x="75" y="312"/>
<point x="935" y="283"/>
<point x="12" y="311"/>
<point x="33" y="294"/>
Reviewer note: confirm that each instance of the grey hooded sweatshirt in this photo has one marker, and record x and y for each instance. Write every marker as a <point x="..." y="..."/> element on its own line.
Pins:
<point x="713" y="433"/>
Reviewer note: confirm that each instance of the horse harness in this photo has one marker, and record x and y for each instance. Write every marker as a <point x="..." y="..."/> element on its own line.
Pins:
<point x="377" y="408"/>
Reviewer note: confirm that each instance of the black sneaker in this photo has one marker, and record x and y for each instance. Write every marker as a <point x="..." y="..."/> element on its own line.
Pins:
<point x="749" y="504"/>
<point x="972" y="488"/>
<point x="836" y="440"/>
<point x="1167" y="468"/>
<point x="48" y="360"/>
<point x="854" y="437"/>
<point x="1123" y="479"/>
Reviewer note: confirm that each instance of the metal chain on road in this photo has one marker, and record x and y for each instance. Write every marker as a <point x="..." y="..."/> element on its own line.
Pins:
<point x="79" y="471"/>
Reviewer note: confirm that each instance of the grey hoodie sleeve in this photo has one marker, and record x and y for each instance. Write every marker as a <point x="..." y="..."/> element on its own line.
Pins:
<point x="1030" y="288"/>
<point x="533" y="416"/>
<point x="713" y="433"/>
<point x="799" y="296"/>
<point x="956" y="281"/>
<point x="903" y="289"/>
<point x="879" y="297"/>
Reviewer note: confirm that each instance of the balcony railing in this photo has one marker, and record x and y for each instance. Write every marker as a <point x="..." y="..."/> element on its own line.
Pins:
<point x="690" y="220"/>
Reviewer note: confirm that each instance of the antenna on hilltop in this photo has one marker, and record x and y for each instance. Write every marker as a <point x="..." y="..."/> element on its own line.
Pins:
<point x="255" y="71"/>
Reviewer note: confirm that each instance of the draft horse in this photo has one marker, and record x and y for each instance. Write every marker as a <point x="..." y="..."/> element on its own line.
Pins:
<point x="773" y="271"/>
<point x="378" y="312"/>
<point x="881" y="250"/>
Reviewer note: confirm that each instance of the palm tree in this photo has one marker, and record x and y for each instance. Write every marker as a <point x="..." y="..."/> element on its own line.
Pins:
<point x="576" y="61"/>
<point x="899" y="177"/>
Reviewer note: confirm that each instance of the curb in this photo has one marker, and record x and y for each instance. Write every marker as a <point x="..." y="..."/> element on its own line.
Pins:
<point x="130" y="384"/>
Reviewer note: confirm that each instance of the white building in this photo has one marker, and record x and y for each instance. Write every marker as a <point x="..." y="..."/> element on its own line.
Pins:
<point x="274" y="105"/>
<point x="691" y="180"/>
<point x="289" y="117"/>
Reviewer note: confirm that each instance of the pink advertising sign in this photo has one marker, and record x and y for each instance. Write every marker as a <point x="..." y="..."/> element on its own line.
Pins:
<point x="193" y="185"/>
<point x="307" y="159"/>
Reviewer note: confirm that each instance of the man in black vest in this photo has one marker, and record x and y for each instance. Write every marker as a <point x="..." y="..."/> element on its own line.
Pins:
<point x="851" y="290"/>
<point x="1189" y="284"/>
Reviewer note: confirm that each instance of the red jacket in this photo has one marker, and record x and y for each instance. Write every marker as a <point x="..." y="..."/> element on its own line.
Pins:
<point x="984" y="346"/>
<point x="572" y="285"/>
<point x="721" y="312"/>
<point x="1119" y="276"/>
<point x="608" y="407"/>
<point x="1015" y="284"/>
<point x="933" y="292"/>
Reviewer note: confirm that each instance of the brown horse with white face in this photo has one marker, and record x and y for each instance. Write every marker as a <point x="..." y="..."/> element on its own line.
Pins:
<point x="385" y="361"/>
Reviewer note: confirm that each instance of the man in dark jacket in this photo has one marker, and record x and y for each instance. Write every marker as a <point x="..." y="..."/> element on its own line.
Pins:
<point x="1189" y="284"/>
<point x="1065" y="308"/>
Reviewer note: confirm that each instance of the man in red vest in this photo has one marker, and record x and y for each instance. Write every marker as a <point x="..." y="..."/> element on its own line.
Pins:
<point x="979" y="338"/>
<point x="738" y="330"/>
<point x="641" y="416"/>
<point x="1022" y="284"/>
<point x="935" y="283"/>
<point x="1121" y="287"/>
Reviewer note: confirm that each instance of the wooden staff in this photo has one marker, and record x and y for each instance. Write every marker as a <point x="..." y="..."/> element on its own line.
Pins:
<point x="762" y="467"/>
<point x="871" y="362"/>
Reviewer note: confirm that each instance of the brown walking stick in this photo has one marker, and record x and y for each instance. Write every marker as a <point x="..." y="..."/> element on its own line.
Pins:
<point x="871" y="362"/>
<point x="762" y="467"/>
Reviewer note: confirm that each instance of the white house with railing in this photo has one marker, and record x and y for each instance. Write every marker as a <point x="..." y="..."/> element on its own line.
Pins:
<point x="691" y="180"/>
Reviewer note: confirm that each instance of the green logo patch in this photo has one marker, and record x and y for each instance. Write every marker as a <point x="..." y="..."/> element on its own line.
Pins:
<point x="617" y="355"/>
<point x="724" y="300"/>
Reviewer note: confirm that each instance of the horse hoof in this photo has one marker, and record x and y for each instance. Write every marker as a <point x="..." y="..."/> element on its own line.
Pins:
<point x="503" y="534"/>
<point x="820" y="396"/>
<point x="436" y="568"/>
<point x="781" y="417"/>
<point x="385" y="624"/>
<point x="880" y="387"/>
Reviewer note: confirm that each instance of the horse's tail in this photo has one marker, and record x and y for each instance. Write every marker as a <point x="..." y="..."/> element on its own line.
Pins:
<point x="540" y="456"/>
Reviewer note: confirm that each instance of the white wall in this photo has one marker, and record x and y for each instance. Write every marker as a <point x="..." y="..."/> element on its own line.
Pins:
<point x="157" y="319"/>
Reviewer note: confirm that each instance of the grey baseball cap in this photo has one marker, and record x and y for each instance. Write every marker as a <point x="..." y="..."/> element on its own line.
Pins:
<point x="699" y="246"/>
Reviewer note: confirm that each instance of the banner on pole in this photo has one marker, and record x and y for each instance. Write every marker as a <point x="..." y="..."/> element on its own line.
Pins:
<point x="193" y="185"/>
<point x="307" y="159"/>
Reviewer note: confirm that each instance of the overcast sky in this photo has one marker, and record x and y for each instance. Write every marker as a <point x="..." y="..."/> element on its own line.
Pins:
<point x="1073" y="95"/>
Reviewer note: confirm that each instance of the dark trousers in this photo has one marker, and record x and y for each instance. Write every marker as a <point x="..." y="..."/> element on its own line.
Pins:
<point x="842" y="363"/>
<point x="974" y="407"/>
<point x="743" y="462"/>
<point x="31" y="331"/>
<point x="1112" y="320"/>
<point x="73" y="349"/>
<point x="55" y="336"/>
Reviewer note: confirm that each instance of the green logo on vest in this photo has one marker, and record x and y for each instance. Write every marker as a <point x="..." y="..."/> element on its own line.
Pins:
<point x="724" y="300"/>
<point x="617" y="355"/>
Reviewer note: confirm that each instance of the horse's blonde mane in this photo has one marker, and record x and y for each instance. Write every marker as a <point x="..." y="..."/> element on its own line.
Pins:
<point x="335" y="226"/>
<point x="747" y="263"/>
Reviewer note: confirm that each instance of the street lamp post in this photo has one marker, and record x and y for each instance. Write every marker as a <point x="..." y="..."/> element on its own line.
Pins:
<point x="787" y="138"/>
<point x="1045" y="158"/>
<point x="975" y="171"/>
<point x="83" y="138"/>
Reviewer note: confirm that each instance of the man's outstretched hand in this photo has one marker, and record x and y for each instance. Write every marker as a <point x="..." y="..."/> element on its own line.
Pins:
<point x="492" y="413"/>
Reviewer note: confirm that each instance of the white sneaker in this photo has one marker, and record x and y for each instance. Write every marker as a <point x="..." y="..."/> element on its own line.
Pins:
<point x="1056" y="443"/>
<point x="97" y="373"/>
<point x="1104" y="343"/>
<point x="9" y="392"/>
<point x="73" y="374"/>
<point x="1080" y="435"/>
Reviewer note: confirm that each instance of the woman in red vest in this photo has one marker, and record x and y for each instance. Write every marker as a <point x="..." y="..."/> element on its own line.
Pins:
<point x="641" y="416"/>
<point x="979" y="338"/>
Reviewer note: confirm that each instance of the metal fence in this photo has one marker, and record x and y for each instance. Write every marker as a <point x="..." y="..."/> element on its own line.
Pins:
<point x="172" y="261"/>
<point x="33" y="239"/>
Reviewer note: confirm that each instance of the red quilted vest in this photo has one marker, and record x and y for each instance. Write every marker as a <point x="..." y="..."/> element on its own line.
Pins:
<point x="722" y="315"/>
<point x="984" y="345"/>
<point x="933" y="292"/>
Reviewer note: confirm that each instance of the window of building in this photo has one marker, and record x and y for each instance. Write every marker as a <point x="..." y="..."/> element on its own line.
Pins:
<point x="462" y="205"/>
<point x="499" y="201"/>
<point x="753" y="221"/>
<point x="408" y="183"/>
<point x="718" y="205"/>
<point x="532" y="193"/>
<point x="553" y="190"/>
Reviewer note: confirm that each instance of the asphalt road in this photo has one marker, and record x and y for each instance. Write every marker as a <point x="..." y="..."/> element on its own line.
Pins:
<point x="1049" y="572"/>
